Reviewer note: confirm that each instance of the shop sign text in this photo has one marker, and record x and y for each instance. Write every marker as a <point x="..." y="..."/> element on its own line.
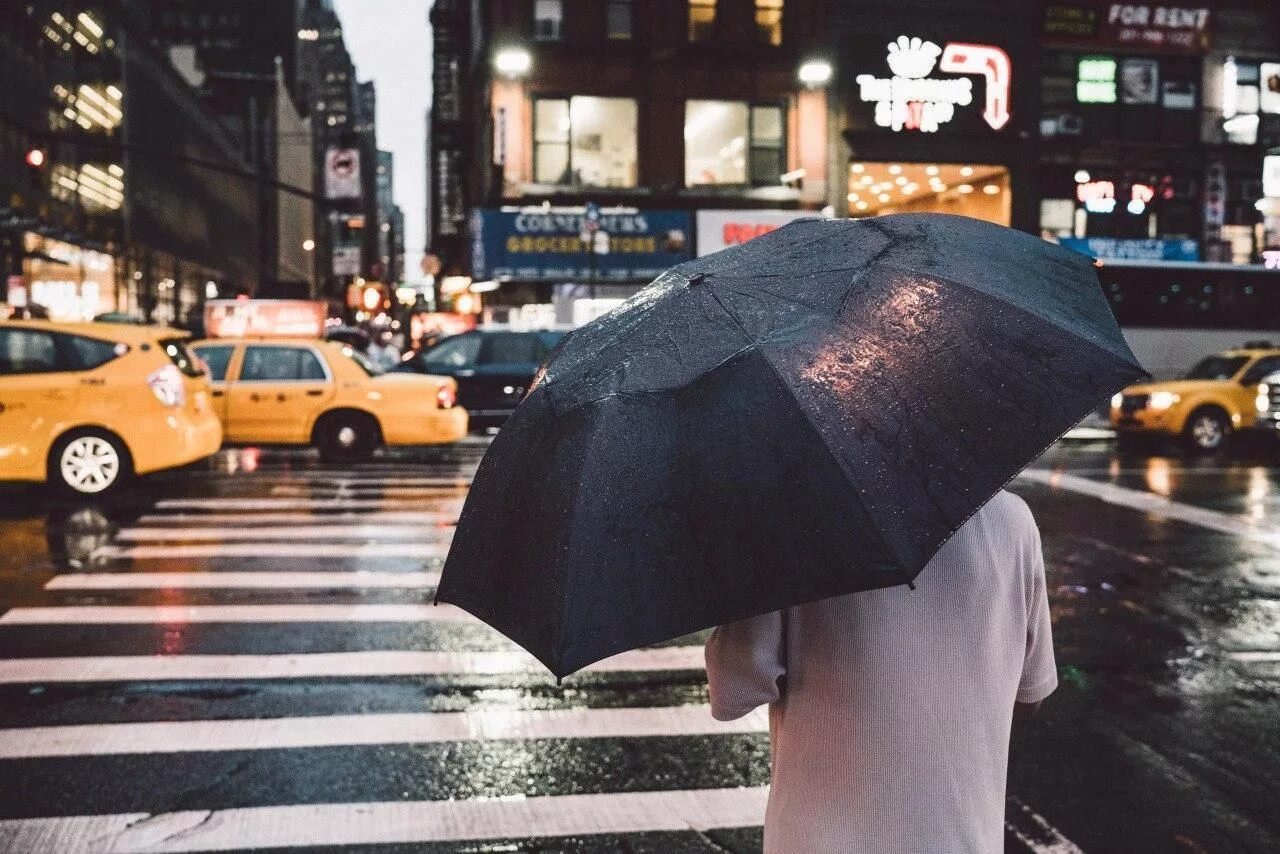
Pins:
<point x="912" y="100"/>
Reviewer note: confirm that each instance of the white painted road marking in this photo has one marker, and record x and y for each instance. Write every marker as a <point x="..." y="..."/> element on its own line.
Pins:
<point x="303" y="491"/>
<point x="343" y="665"/>
<point x="375" y="517"/>
<point x="331" y="503"/>
<point x="97" y="615"/>
<point x="348" y="730"/>
<point x="245" y="580"/>
<point x="293" y="532"/>
<point x="1043" y="837"/>
<point x="390" y="822"/>
<point x="437" y="550"/>
<point x="1137" y="499"/>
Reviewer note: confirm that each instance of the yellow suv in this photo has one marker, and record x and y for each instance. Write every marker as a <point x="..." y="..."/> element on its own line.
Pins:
<point x="1215" y="398"/>
<point x="85" y="405"/>
<point x="287" y="391"/>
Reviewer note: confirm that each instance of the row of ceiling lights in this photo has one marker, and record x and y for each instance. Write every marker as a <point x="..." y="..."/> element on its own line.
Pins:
<point x="881" y="191"/>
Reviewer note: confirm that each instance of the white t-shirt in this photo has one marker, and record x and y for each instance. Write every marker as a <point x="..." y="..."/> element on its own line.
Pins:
<point x="890" y="710"/>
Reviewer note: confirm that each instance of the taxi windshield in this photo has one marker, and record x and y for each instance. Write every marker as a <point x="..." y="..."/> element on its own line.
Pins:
<point x="1217" y="368"/>
<point x="363" y="361"/>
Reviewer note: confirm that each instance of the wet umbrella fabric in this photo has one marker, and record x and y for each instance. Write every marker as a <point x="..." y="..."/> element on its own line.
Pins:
<point x="806" y="415"/>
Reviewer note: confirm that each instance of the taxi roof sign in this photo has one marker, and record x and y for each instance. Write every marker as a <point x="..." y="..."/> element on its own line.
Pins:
<point x="264" y="318"/>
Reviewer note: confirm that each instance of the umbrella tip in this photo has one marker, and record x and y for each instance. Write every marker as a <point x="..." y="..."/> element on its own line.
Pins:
<point x="697" y="279"/>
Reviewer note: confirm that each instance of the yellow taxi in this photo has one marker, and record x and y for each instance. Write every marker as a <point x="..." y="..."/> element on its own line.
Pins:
<point x="85" y="405"/>
<point x="290" y="391"/>
<point x="1215" y="398"/>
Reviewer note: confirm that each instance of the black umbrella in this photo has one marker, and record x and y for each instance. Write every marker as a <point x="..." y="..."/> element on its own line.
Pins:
<point x="808" y="414"/>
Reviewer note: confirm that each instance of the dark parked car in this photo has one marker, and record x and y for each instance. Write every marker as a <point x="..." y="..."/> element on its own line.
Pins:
<point x="493" y="368"/>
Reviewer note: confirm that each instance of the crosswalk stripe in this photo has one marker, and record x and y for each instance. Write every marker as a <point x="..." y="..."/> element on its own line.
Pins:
<point x="1137" y="499"/>
<point x="95" y="615"/>
<point x="273" y="549"/>
<point x="293" y="532"/>
<point x="404" y="822"/>
<point x="358" y="479"/>
<point x="374" y="517"/>
<point x="369" y="491"/>
<point x="370" y="729"/>
<point x="241" y="580"/>
<point x="348" y="665"/>
<point x="253" y="504"/>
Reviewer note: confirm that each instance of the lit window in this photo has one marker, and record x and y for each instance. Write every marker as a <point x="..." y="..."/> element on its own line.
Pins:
<point x="732" y="142"/>
<point x="1096" y="80"/>
<point x="769" y="20"/>
<point x="702" y="18"/>
<point x="585" y="141"/>
<point x="618" y="19"/>
<point x="548" y="15"/>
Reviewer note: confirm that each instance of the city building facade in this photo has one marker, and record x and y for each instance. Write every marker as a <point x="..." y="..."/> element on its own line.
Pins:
<point x="1133" y="132"/>
<point x="104" y="209"/>
<point x="635" y="125"/>
<point x="343" y="127"/>
<point x="240" y="56"/>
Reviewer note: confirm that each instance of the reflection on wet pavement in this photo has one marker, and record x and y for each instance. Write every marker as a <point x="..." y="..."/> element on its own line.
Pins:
<point x="264" y="586"/>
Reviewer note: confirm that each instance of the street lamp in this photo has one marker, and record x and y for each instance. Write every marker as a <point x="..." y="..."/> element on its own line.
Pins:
<point x="308" y="245"/>
<point x="815" y="73"/>
<point x="513" y="61"/>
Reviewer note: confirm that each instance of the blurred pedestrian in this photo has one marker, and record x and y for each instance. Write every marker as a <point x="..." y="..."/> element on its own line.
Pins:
<point x="890" y="710"/>
<point x="384" y="352"/>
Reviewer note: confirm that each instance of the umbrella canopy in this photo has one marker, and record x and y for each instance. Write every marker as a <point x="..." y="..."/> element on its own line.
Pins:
<point x="809" y="414"/>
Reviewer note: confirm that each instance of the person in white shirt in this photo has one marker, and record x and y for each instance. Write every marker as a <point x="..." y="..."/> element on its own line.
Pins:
<point x="890" y="710"/>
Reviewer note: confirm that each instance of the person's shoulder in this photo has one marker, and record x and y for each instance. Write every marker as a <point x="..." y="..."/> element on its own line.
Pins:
<point x="1004" y="503"/>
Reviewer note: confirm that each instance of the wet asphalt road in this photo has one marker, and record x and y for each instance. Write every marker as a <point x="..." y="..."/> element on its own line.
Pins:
<point x="243" y="654"/>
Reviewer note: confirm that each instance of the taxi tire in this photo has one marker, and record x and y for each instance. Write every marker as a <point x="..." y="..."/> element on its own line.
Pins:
<point x="329" y="439"/>
<point x="66" y="489"/>
<point x="1189" y="431"/>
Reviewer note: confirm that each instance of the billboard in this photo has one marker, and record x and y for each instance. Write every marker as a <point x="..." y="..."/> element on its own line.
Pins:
<point x="342" y="173"/>
<point x="545" y="245"/>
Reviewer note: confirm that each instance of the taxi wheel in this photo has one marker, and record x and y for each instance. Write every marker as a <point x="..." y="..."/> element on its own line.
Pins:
<point x="345" y="437"/>
<point x="1208" y="429"/>
<point x="89" y="462"/>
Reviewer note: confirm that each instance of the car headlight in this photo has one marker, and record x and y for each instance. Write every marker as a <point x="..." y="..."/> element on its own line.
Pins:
<point x="1263" y="400"/>
<point x="1116" y="400"/>
<point x="1163" y="399"/>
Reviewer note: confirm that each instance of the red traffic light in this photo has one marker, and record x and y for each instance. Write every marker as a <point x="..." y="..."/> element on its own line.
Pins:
<point x="35" y="158"/>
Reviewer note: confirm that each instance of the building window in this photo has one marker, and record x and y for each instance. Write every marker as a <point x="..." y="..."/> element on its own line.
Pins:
<point x="702" y="19"/>
<point x="548" y="15"/>
<point x="769" y="21"/>
<point x="585" y="141"/>
<point x="732" y="142"/>
<point x="618" y="19"/>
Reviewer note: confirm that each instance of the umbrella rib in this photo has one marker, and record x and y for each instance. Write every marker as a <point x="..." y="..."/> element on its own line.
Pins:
<point x="908" y="579"/>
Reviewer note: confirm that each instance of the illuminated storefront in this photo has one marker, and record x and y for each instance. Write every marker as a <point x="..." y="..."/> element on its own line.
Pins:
<point x="67" y="281"/>
<point x="936" y="115"/>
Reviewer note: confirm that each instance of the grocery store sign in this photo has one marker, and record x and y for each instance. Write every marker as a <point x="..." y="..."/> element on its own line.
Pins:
<point x="912" y="100"/>
<point x="245" y="318"/>
<point x="545" y="244"/>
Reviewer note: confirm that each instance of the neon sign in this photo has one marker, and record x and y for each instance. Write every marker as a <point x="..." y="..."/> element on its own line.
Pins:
<point x="1098" y="196"/>
<point x="912" y="100"/>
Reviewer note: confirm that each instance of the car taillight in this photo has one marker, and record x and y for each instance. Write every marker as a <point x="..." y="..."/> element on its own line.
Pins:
<point x="446" y="396"/>
<point x="166" y="385"/>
